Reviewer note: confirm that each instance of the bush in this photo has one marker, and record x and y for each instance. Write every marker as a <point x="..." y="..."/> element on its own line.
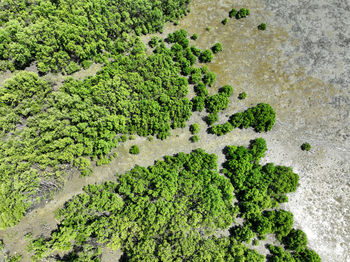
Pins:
<point x="226" y="90"/>
<point x="206" y="56"/>
<point x="201" y="90"/>
<point x="217" y="48"/>
<point x="194" y="139"/>
<point x="262" y="26"/>
<point x="194" y="37"/>
<point x="153" y="42"/>
<point x="232" y="13"/>
<point x="212" y="118"/>
<point x="196" y="51"/>
<point x="134" y="149"/>
<point x="242" y="13"/>
<point x="295" y="240"/>
<point x="305" y="147"/>
<point x="224" y="22"/>
<point x="242" y="96"/>
<point x="194" y="128"/>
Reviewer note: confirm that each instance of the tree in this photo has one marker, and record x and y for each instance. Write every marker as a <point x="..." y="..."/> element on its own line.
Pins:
<point x="194" y="128"/>
<point x="217" y="48"/>
<point x="206" y="56"/>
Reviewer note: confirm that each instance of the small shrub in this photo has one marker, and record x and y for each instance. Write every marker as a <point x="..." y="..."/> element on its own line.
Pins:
<point x="212" y="118"/>
<point x="194" y="128"/>
<point x="134" y="150"/>
<point x="208" y="28"/>
<point x="224" y="22"/>
<point x="232" y="13"/>
<point x="262" y="26"/>
<point x="194" y="37"/>
<point x="305" y="147"/>
<point x="255" y="242"/>
<point x="217" y="48"/>
<point x="242" y="96"/>
<point x="194" y="139"/>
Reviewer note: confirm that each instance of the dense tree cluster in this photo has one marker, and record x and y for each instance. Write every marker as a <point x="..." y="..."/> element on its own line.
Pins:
<point x="173" y="211"/>
<point x="261" y="117"/>
<point x="65" y="35"/>
<point x="48" y="129"/>
<point x="159" y="213"/>
<point x="259" y="189"/>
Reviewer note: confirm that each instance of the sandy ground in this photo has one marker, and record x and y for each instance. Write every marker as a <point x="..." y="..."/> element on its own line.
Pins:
<point x="299" y="65"/>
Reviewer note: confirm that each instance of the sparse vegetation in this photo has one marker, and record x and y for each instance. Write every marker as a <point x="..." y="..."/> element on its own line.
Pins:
<point x="305" y="147"/>
<point x="262" y="26"/>
<point x="194" y="128"/>
<point x="194" y="139"/>
<point x="134" y="150"/>
<point x="242" y="96"/>
<point x="217" y="48"/>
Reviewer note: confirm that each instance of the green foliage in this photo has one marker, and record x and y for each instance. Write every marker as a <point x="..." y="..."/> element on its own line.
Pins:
<point x="232" y="13"/>
<point x="216" y="102"/>
<point x="224" y="22"/>
<point x="307" y="255"/>
<point x="201" y="90"/>
<point x="2" y="245"/>
<point x="206" y="56"/>
<point x="305" y="147"/>
<point x="194" y="128"/>
<point x="209" y="78"/>
<point x="62" y="36"/>
<point x="134" y="149"/>
<point x="212" y="118"/>
<point x="242" y="13"/>
<point x="257" y="187"/>
<point x="153" y="214"/>
<point x="261" y="117"/>
<point x="14" y="258"/>
<point x="295" y="240"/>
<point x="242" y="96"/>
<point x="262" y="26"/>
<point x="226" y="90"/>
<point x="49" y="131"/>
<point x="153" y="42"/>
<point x="194" y="139"/>
<point x="194" y="37"/>
<point x="217" y="48"/>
